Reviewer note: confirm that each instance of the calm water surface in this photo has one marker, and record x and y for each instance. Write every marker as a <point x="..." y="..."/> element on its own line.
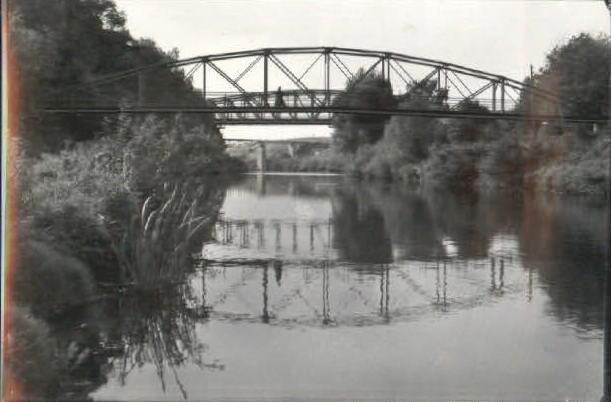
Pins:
<point x="321" y="288"/>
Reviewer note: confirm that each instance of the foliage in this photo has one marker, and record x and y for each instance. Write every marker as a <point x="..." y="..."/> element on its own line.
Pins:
<point x="453" y="165"/>
<point x="160" y="151"/>
<point x="586" y="172"/>
<point x="80" y="176"/>
<point x="49" y="281"/>
<point x="488" y="153"/>
<point x="413" y="135"/>
<point x="327" y="160"/>
<point x="578" y="72"/>
<point x="503" y="163"/>
<point x="307" y="158"/>
<point x="33" y="357"/>
<point x="155" y="241"/>
<point x="587" y="90"/>
<point x="366" y="91"/>
<point x="63" y="43"/>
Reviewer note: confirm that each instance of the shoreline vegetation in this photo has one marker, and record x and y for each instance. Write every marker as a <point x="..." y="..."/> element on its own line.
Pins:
<point x="469" y="153"/>
<point x="111" y="209"/>
<point x="114" y="207"/>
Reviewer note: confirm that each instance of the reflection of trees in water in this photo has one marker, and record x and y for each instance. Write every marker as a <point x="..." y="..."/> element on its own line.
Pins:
<point x="360" y="234"/>
<point x="566" y="241"/>
<point x="302" y="186"/>
<point x="416" y="222"/>
<point x="409" y="220"/>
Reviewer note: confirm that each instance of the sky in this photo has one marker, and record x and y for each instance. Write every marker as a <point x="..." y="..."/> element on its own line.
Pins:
<point x="499" y="36"/>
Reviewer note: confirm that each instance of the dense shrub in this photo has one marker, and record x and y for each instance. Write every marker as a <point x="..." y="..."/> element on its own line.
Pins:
<point x="327" y="160"/>
<point x="502" y="164"/>
<point x="453" y="165"/>
<point x="160" y="152"/>
<point x="365" y="91"/>
<point x="81" y="176"/>
<point x="33" y="357"/>
<point x="75" y="233"/>
<point x="48" y="281"/>
<point x="577" y="172"/>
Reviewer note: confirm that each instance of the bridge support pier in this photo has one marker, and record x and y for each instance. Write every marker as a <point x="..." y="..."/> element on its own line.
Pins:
<point x="261" y="157"/>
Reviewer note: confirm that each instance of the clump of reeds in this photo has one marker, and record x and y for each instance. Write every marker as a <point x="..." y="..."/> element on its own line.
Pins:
<point x="154" y="247"/>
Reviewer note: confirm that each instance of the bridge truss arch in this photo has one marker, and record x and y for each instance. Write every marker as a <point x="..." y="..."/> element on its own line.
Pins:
<point x="312" y="79"/>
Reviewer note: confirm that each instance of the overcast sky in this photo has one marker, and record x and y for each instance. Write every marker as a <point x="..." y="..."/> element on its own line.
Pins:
<point x="499" y="36"/>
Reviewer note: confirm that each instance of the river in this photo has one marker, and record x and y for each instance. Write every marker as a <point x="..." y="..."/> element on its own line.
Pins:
<point x="321" y="288"/>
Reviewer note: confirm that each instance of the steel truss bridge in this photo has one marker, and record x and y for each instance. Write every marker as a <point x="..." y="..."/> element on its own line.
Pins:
<point x="312" y="79"/>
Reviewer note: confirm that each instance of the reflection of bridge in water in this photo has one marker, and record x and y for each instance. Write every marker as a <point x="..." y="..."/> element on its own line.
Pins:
<point x="263" y="233"/>
<point x="320" y="291"/>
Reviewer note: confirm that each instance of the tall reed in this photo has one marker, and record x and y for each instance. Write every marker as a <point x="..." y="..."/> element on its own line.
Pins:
<point x="154" y="247"/>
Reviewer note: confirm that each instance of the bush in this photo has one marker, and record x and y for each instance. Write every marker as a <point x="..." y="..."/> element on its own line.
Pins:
<point x="577" y="173"/>
<point x="81" y="176"/>
<point x="164" y="152"/>
<point x="49" y="282"/>
<point x="362" y="91"/>
<point x="503" y="163"/>
<point x="328" y="160"/>
<point x="33" y="357"/>
<point x="453" y="165"/>
<point x="72" y="232"/>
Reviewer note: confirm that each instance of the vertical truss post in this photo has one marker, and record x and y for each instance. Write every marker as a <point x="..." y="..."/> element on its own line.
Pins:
<point x="265" y="77"/>
<point x="388" y="66"/>
<point x="204" y="79"/>
<point x="327" y="94"/>
<point x="438" y="82"/>
<point x="493" y="92"/>
<point x="503" y="95"/>
<point x="446" y="80"/>
<point x="384" y="70"/>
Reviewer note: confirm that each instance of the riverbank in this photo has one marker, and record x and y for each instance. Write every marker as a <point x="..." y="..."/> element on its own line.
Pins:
<point x="101" y="219"/>
<point x="464" y="153"/>
<point x="505" y="156"/>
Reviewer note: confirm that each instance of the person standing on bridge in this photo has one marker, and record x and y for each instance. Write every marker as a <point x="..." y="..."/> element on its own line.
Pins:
<point x="278" y="100"/>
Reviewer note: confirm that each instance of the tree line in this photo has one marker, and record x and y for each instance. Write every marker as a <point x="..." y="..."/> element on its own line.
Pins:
<point x="469" y="152"/>
<point x="59" y="45"/>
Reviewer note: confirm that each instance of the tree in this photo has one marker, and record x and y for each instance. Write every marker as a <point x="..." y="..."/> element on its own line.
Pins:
<point x="363" y="91"/>
<point x="60" y="44"/>
<point x="578" y="72"/>
<point x="413" y="135"/>
<point x="468" y="129"/>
